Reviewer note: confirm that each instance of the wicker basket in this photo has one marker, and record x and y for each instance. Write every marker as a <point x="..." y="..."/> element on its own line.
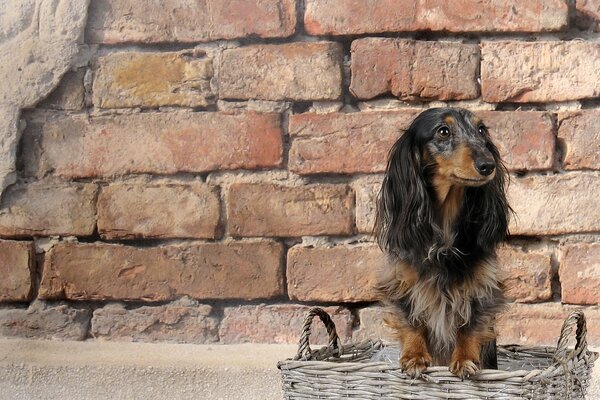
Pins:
<point x="337" y="371"/>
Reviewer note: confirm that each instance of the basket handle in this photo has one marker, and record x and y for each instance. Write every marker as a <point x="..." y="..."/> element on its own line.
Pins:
<point x="304" y="351"/>
<point x="575" y="318"/>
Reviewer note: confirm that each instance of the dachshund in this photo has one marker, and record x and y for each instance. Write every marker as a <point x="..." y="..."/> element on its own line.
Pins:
<point x="440" y="213"/>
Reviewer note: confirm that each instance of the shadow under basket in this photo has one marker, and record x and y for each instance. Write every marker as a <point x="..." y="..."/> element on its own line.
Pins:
<point x="370" y="370"/>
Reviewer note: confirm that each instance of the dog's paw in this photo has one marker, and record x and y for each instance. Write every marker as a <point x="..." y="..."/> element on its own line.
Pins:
<point x="464" y="368"/>
<point x="414" y="364"/>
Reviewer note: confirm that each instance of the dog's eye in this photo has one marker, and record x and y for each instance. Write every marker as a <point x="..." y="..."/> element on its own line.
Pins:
<point x="482" y="129"/>
<point x="443" y="132"/>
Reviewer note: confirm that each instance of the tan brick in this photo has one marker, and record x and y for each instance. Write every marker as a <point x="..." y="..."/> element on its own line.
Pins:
<point x="580" y="134"/>
<point x="359" y="142"/>
<point x="69" y="95"/>
<point x="294" y="71"/>
<point x="588" y="14"/>
<point x="580" y="273"/>
<point x="333" y="274"/>
<point x="372" y="326"/>
<point x="279" y="323"/>
<point x="540" y="324"/>
<point x="45" y="321"/>
<point x="141" y="79"/>
<point x="348" y="17"/>
<point x="344" y="142"/>
<point x="525" y="139"/>
<point x="182" y="321"/>
<point x="274" y="210"/>
<point x="160" y="143"/>
<point x="366" y="202"/>
<point x="45" y="209"/>
<point x="555" y="204"/>
<point x="535" y="72"/>
<point x="526" y="273"/>
<point x="414" y="69"/>
<point x="16" y="267"/>
<point x="121" y="21"/>
<point x="172" y="210"/>
<point x="95" y="271"/>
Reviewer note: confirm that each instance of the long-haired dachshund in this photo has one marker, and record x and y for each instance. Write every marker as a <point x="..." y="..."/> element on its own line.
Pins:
<point x="441" y="212"/>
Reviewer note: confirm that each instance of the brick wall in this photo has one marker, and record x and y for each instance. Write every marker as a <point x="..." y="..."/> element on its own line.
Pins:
<point x="210" y="171"/>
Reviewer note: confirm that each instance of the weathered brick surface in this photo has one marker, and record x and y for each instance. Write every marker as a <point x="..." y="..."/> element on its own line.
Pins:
<point x="414" y="69"/>
<point x="276" y="210"/>
<point x="161" y="143"/>
<point x="580" y="134"/>
<point x="366" y="201"/>
<point x="580" y="273"/>
<point x="45" y="321"/>
<point x="46" y="208"/>
<point x="540" y="324"/>
<point x="372" y="326"/>
<point x="344" y="142"/>
<point x="360" y="142"/>
<point x="555" y="204"/>
<point x="294" y="71"/>
<point x="184" y="320"/>
<point x="96" y="271"/>
<point x="172" y="210"/>
<point x="70" y="93"/>
<point x="121" y="21"/>
<point x="536" y="71"/>
<point x="348" y="17"/>
<point x="333" y="274"/>
<point x="526" y="273"/>
<point x="142" y="79"/>
<point x="279" y="323"/>
<point x="588" y="14"/>
<point x="16" y="268"/>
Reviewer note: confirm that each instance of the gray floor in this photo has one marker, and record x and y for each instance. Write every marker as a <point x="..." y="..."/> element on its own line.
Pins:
<point x="32" y="369"/>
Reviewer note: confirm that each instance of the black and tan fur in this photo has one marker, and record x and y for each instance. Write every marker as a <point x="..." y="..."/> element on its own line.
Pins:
<point x="441" y="212"/>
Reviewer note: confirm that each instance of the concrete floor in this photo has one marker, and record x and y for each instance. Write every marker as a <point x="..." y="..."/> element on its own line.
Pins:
<point x="31" y="369"/>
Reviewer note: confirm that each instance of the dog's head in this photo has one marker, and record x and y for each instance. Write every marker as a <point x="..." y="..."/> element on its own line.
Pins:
<point x="443" y="149"/>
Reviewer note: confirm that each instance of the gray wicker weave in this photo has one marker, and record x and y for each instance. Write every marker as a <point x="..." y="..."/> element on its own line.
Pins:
<point x="349" y="371"/>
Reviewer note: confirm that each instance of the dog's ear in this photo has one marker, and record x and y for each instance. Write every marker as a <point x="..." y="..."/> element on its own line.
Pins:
<point x="490" y="208"/>
<point x="404" y="211"/>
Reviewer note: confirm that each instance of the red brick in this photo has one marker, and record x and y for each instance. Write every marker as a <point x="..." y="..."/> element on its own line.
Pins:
<point x="274" y="210"/>
<point x="182" y="321"/>
<point x="580" y="134"/>
<point x="172" y="210"/>
<point x="121" y="21"/>
<point x="414" y="69"/>
<point x="349" y="17"/>
<point x="580" y="273"/>
<point x="540" y="324"/>
<point x="160" y="143"/>
<point x="149" y="80"/>
<point x="45" y="321"/>
<point x="372" y="326"/>
<point x="46" y="209"/>
<point x="359" y="142"/>
<point x="366" y="200"/>
<point x="588" y="14"/>
<point x="555" y="204"/>
<point x="16" y="267"/>
<point x="536" y="71"/>
<point x="526" y="273"/>
<point x="333" y="274"/>
<point x="293" y="71"/>
<point x="344" y="142"/>
<point x="279" y="323"/>
<point x="95" y="271"/>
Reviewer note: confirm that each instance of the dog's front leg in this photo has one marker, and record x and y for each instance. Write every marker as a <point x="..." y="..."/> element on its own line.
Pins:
<point x="415" y="356"/>
<point x="465" y="360"/>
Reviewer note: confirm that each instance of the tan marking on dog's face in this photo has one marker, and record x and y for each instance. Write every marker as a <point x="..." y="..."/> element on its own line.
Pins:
<point x="449" y="120"/>
<point x="459" y="169"/>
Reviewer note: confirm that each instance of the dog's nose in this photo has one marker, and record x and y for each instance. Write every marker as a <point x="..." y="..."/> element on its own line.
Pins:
<point x="485" y="167"/>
